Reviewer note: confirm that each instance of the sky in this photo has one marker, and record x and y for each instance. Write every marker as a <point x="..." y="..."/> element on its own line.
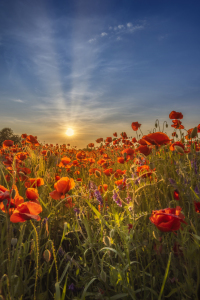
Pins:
<point x="96" y="66"/>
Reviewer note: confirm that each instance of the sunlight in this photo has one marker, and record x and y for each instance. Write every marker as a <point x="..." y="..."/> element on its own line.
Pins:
<point x="69" y="132"/>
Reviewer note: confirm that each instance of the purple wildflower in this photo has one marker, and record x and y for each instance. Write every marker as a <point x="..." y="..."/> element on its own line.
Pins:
<point x="196" y="190"/>
<point x="72" y="287"/>
<point x="172" y="182"/>
<point x="92" y="185"/>
<point x="116" y="199"/>
<point x="98" y="196"/>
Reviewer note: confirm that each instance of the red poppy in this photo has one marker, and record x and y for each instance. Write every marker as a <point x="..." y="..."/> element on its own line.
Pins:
<point x="175" y="115"/>
<point x="172" y="146"/>
<point x="134" y="140"/>
<point x="34" y="182"/>
<point x="197" y="206"/>
<point x="103" y="188"/>
<point x="120" y="160"/>
<point x="176" y="195"/>
<point x="32" y="140"/>
<point x="177" y="124"/>
<point x="115" y="134"/>
<point x="108" y="172"/>
<point x="144" y="150"/>
<point x="62" y="186"/>
<point x="91" y="145"/>
<point x="32" y="194"/>
<point x="65" y="161"/>
<point x="99" y="140"/>
<point x="108" y="140"/>
<point x="135" y="126"/>
<point x="26" y="211"/>
<point x="156" y="138"/>
<point x="24" y="136"/>
<point x="81" y="155"/>
<point x="168" y="219"/>
<point x="198" y="128"/>
<point x="7" y="144"/>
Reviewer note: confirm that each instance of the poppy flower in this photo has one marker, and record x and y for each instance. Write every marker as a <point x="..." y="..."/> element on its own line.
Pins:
<point x="175" y="115"/>
<point x="130" y="226"/>
<point x="12" y="202"/>
<point x="176" y="195"/>
<point x="134" y="140"/>
<point x="24" y="136"/>
<point x="108" y="140"/>
<point x="62" y="186"/>
<point x="156" y="138"/>
<point x="124" y="135"/>
<point x="198" y="128"/>
<point x="34" y="182"/>
<point x="168" y="219"/>
<point x="135" y="126"/>
<point x="32" y="140"/>
<point x="115" y="134"/>
<point x="177" y="124"/>
<point x="7" y="144"/>
<point x="32" y="194"/>
<point x="81" y="155"/>
<point x="90" y="145"/>
<point x="108" y="172"/>
<point x="65" y="161"/>
<point x="26" y="211"/>
<point x="99" y="140"/>
<point x="21" y="155"/>
<point x="144" y="149"/>
<point x="142" y="142"/>
<point x="197" y="206"/>
<point x="69" y="203"/>
<point x="103" y="188"/>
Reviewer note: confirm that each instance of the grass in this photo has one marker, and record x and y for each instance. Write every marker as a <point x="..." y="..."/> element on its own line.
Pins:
<point x="84" y="250"/>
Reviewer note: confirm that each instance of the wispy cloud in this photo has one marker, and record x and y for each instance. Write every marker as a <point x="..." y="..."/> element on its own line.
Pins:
<point x="92" y="40"/>
<point x="104" y="34"/>
<point x="18" y="100"/>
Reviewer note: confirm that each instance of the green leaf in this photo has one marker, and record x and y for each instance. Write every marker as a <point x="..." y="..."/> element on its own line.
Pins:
<point x="87" y="286"/>
<point x="165" y="277"/>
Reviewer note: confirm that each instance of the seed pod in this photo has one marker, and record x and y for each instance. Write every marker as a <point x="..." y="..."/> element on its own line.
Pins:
<point x="179" y="149"/>
<point x="97" y="173"/>
<point x="47" y="255"/>
<point x="112" y="233"/>
<point x="14" y="242"/>
<point x="48" y="153"/>
<point x="194" y="132"/>
<point x="37" y="168"/>
<point x="103" y="275"/>
<point x="13" y="194"/>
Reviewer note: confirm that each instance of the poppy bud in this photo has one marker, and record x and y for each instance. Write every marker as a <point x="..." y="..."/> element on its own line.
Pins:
<point x="156" y="125"/>
<point x="166" y="125"/>
<point x="179" y="149"/>
<point x="97" y="173"/>
<point x="112" y="233"/>
<point x="194" y="133"/>
<point x="47" y="255"/>
<point x="13" y="194"/>
<point x="14" y="242"/>
<point x="37" y="168"/>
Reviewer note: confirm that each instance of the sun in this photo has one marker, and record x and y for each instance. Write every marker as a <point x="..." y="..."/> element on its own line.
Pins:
<point x="69" y="132"/>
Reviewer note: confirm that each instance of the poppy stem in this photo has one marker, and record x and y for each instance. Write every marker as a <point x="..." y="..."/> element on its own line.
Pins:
<point x="141" y="132"/>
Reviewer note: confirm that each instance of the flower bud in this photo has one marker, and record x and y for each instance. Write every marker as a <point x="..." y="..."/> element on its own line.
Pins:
<point x="112" y="233"/>
<point x="47" y="255"/>
<point x="194" y="132"/>
<point x="97" y="173"/>
<point x="14" y="242"/>
<point x="179" y="149"/>
<point x="48" y="153"/>
<point x="103" y="275"/>
<point x="37" y="168"/>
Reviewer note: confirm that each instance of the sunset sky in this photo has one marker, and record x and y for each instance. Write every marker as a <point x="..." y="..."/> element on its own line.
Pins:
<point x="96" y="66"/>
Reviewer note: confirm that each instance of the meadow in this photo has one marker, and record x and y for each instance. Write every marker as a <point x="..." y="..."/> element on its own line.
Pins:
<point x="120" y="220"/>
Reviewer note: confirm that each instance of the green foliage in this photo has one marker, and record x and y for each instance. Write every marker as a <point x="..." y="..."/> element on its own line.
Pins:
<point x="7" y="134"/>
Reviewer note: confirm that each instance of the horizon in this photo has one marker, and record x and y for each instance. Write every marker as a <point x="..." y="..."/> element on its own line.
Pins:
<point x="97" y="66"/>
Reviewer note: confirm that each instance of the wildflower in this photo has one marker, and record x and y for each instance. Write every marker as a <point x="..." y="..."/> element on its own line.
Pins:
<point x="72" y="287"/>
<point x="32" y="194"/>
<point x="26" y="211"/>
<point x="197" y="206"/>
<point x="130" y="226"/>
<point x="34" y="182"/>
<point x="7" y="144"/>
<point x="62" y="186"/>
<point x="156" y="138"/>
<point x="116" y="199"/>
<point x="168" y="219"/>
<point x="175" y="115"/>
<point x="98" y="196"/>
<point x="176" y="195"/>
<point x="135" y="126"/>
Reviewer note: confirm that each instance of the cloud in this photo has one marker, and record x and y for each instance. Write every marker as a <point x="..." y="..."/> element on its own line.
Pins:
<point x="110" y="28"/>
<point x="129" y="25"/>
<point x="135" y="28"/>
<point x="103" y="34"/>
<point x="119" y="38"/>
<point x="120" y="26"/>
<point x="92" y="40"/>
<point x="18" y="100"/>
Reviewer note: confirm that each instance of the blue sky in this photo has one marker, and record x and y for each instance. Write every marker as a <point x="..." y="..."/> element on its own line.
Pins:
<point x="97" y="66"/>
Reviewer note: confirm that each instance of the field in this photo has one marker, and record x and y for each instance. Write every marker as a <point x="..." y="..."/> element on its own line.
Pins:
<point x="116" y="221"/>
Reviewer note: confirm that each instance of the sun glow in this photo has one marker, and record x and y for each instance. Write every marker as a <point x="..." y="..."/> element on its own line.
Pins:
<point x="69" y="132"/>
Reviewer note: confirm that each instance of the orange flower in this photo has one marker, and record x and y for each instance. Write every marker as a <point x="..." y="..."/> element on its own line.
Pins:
<point x="176" y="144"/>
<point x="34" y="182"/>
<point x="99" y="140"/>
<point x="24" y="136"/>
<point x="91" y="145"/>
<point x="32" y="140"/>
<point x="81" y="155"/>
<point x="21" y="155"/>
<point x="168" y="219"/>
<point x="144" y="169"/>
<point x="198" y="128"/>
<point x="26" y="211"/>
<point x="177" y="124"/>
<point x="108" y="172"/>
<point x="7" y="144"/>
<point x="62" y="186"/>
<point x="134" y="140"/>
<point x="108" y="140"/>
<point x="69" y="203"/>
<point x="79" y="179"/>
<point x="144" y="150"/>
<point x="156" y="138"/>
<point x="175" y="115"/>
<point x="32" y="194"/>
<point x="115" y="134"/>
<point x="124" y="135"/>
<point x="135" y="126"/>
<point x="102" y="188"/>
<point x="65" y="161"/>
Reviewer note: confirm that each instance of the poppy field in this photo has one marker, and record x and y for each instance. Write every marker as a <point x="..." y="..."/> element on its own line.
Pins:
<point x="119" y="219"/>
